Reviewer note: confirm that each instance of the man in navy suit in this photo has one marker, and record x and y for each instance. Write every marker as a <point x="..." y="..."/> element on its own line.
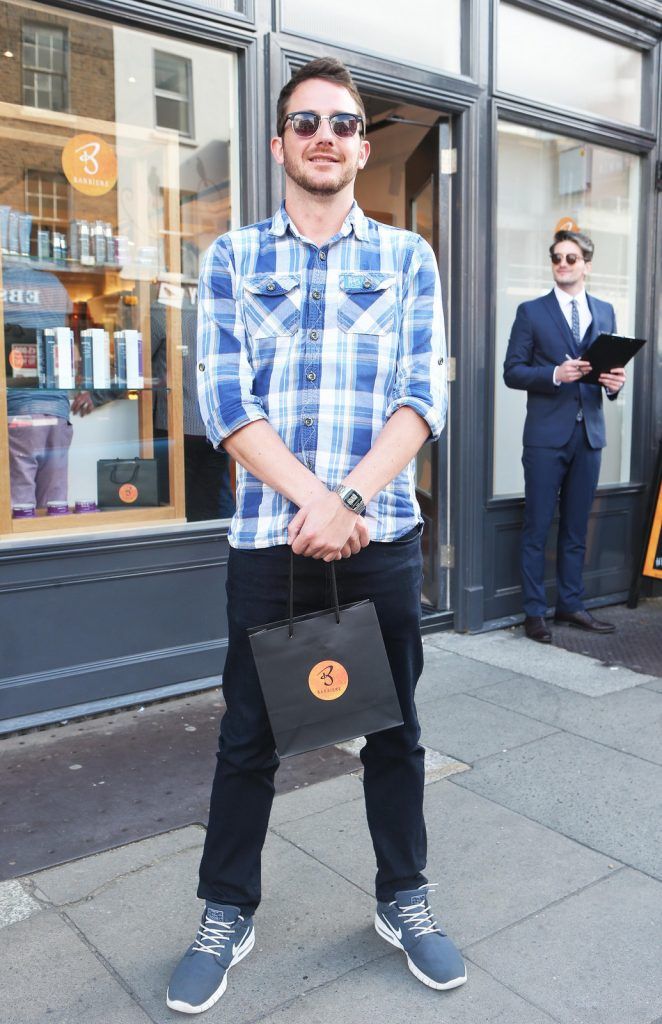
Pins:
<point x="564" y="432"/>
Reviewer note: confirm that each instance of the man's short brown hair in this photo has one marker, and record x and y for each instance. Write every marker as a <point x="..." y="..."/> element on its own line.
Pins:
<point x="323" y="67"/>
<point x="579" y="238"/>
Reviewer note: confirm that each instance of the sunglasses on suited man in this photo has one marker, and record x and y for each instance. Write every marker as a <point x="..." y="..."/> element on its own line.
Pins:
<point x="570" y="258"/>
<point x="305" y="123"/>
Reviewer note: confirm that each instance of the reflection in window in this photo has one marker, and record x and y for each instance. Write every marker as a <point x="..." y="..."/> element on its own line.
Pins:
<point x="544" y="182"/>
<point x="47" y="197"/>
<point x="172" y="89"/>
<point x="44" y="66"/>
<point x="550" y="61"/>
<point x="434" y="41"/>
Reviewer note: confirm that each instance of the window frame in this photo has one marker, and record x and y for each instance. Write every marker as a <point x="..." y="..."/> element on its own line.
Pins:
<point x="167" y="94"/>
<point x="64" y="75"/>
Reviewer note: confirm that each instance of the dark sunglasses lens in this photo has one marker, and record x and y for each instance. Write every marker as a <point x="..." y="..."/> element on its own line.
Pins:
<point x="570" y="259"/>
<point x="344" y="125"/>
<point x="305" y="125"/>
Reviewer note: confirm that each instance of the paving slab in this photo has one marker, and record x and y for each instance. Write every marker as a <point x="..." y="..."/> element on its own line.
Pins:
<point x="446" y="673"/>
<point x="323" y="796"/>
<point x="49" y="974"/>
<point x="630" y="720"/>
<point x="16" y="903"/>
<point x="385" y="990"/>
<point x="78" y="880"/>
<point x="509" y="649"/>
<point x="608" y="800"/>
<point x="470" y="729"/>
<point x="312" y="927"/>
<point x="594" y="958"/>
<point x="486" y="859"/>
<point x="655" y="684"/>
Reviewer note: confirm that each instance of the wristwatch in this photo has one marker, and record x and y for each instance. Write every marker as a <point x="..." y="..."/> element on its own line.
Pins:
<point x="351" y="499"/>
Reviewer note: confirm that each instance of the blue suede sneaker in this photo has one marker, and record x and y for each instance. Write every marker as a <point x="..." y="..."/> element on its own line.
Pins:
<point x="201" y="976"/>
<point x="408" y="924"/>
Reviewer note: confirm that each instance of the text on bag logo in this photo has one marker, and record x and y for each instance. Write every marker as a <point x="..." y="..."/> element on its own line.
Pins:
<point x="328" y="680"/>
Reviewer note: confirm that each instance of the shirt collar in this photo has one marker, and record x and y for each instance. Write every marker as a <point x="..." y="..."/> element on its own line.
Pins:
<point x="355" y="220"/>
<point x="564" y="299"/>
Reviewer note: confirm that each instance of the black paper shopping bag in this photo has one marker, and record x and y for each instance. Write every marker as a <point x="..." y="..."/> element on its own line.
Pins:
<point x="325" y="676"/>
<point x="127" y="483"/>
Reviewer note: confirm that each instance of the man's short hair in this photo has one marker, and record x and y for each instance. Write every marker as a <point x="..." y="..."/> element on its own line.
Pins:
<point x="328" y="68"/>
<point x="579" y="238"/>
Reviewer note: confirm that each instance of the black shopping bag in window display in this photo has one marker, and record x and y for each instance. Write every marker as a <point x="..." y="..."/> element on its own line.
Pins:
<point x="325" y="676"/>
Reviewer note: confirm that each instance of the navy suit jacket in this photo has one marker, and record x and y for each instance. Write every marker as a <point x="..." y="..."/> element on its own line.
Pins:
<point x="540" y="340"/>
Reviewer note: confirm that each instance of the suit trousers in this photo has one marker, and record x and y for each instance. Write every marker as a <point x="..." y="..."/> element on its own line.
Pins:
<point x="393" y="760"/>
<point x="569" y="476"/>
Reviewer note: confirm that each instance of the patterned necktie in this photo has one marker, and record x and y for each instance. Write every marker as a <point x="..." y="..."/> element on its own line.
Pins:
<point x="575" y="324"/>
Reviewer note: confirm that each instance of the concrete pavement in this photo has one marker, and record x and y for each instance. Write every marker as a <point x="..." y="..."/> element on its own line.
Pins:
<point x="544" y="814"/>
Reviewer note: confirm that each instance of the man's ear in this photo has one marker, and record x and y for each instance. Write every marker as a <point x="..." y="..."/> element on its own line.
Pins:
<point x="277" y="149"/>
<point x="588" y="266"/>
<point x="364" y="153"/>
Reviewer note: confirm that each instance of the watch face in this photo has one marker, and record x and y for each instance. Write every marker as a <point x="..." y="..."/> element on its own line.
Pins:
<point x="353" y="499"/>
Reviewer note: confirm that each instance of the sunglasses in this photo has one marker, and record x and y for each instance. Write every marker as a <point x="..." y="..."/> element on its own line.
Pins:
<point x="305" y="124"/>
<point x="570" y="258"/>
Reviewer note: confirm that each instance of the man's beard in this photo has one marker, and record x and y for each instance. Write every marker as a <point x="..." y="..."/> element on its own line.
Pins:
<point x="324" y="188"/>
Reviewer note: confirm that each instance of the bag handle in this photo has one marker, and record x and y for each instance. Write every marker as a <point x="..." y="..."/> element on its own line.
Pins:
<point x="114" y="471"/>
<point x="334" y="589"/>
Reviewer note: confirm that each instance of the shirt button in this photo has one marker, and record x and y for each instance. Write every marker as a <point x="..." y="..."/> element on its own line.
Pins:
<point x="311" y="375"/>
<point x="201" y="366"/>
<point x="317" y="295"/>
<point x="314" y="335"/>
<point x="439" y="362"/>
<point x="322" y="255"/>
<point x="367" y="283"/>
<point x="271" y="286"/>
<point x="308" y="421"/>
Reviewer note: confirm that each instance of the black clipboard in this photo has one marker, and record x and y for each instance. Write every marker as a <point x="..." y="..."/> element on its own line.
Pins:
<point x="609" y="351"/>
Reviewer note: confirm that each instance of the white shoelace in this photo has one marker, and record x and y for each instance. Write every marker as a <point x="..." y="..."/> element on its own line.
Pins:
<point x="418" y="917"/>
<point x="212" y="936"/>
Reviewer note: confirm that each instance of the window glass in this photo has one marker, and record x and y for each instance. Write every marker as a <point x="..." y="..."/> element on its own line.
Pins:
<point x="105" y="212"/>
<point x="546" y="182"/>
<point x="550" y="61"/>
<point x="44" y="66"/>
<point x="356" y="26"/>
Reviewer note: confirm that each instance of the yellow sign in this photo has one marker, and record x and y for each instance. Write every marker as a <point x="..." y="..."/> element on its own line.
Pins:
<point x="90" y="165"/>
<point x="653" y="563"/>
<point x="328" y="680"/>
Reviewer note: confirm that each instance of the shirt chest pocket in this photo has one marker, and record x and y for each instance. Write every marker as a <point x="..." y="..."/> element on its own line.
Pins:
<point x="271" y="304"/>
<point x="367" y="303"/>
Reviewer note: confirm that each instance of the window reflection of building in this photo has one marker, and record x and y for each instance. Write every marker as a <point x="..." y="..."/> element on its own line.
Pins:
<point x="44" y="60"/>
<point x="172" y="92"/>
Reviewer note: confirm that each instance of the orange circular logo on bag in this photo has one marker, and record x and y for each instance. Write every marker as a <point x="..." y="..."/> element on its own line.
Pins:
<point x="128" y="493"/>
<point x="16" y="359"/>
<point x="90" y="165"/>
<point x="328" y="680"/>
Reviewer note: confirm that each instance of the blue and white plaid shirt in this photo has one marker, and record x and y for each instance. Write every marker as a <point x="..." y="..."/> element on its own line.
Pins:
<point x="325" y="343"/>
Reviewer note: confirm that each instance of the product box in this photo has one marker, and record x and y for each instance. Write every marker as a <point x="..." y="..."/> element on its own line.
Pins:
<point x="95" y="358"/>
<point x="129" y="359"/>
<point x="60" y="363"/>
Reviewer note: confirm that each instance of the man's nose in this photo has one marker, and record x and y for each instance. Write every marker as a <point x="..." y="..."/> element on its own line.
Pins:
<point x="325" y="131"/>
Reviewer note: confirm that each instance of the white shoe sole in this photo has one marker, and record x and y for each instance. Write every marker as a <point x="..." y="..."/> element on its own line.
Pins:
<point x="177" y="1004"/>
<point x="385" y="933"/>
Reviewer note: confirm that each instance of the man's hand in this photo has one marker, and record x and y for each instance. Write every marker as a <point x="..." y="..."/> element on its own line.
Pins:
<point x="572" y="370"/>
<point x="324" y="528"/>
<point x="83" y="404"/>
<point x="614" y="380"/>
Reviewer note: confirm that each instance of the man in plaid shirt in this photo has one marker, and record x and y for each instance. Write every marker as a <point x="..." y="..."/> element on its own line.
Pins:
<point x="321" y="362"/>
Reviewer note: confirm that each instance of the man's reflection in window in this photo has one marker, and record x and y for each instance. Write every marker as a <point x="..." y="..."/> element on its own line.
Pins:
<point x="39" y="419"/>
<point x="206" y="469"/>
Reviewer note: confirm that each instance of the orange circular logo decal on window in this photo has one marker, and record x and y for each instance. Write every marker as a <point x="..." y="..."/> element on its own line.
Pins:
<point x="328" y="680"/>
<point x="566" y="224"/>
<point x="90" y="165"/>
<point x="128" y="493"/>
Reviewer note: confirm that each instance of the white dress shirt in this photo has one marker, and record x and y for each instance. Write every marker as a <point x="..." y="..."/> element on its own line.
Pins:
<point x="585" y="319"/>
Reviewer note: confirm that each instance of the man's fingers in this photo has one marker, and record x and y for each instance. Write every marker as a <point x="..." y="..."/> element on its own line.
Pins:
<point x="294" y="527"/>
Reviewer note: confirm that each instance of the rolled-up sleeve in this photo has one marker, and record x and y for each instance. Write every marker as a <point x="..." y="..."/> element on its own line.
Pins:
<point x="421" y="380"/>
<point x="224" y="374"/>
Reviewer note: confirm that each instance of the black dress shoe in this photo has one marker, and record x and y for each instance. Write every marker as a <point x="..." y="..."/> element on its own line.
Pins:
<point x="536" y="628"/>
<point x="584" y="620"/>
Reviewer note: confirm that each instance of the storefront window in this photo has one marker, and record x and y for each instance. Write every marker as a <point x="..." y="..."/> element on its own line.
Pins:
<point x="434" y="40"/>
<point x="546" y="182"/>
<point x="105" y="212"/>
<point x="550" y="61"/>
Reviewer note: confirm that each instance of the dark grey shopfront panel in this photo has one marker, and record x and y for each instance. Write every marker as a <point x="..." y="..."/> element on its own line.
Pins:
<point x="107" y="618"/>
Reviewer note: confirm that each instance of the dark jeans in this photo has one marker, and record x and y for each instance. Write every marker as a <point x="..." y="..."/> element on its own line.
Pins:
<point x="393" y="760"/>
